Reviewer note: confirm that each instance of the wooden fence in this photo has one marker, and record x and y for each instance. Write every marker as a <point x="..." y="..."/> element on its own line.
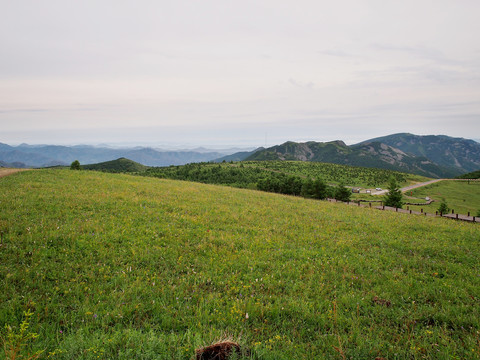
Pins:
<point x="451" y="215"/>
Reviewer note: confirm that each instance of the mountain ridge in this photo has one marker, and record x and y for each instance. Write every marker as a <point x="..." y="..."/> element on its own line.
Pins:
<point x="427" y="155"/>
<point x="368" y="154"/>
<point x="459" y="153"/>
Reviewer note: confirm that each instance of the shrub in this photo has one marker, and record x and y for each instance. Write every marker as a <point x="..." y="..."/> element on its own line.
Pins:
<point x="17" y="340"/>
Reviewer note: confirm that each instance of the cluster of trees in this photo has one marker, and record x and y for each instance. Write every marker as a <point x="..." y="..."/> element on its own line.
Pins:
<point x="253" y="178"/>
<point x="308" y="188"/>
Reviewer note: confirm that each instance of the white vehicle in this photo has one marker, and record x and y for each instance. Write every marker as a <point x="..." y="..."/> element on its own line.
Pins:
<point x="378" y="189"/>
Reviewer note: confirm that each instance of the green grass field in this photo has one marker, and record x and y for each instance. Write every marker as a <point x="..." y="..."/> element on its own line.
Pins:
<point x="121" y="267"/>
<point x="461" y="196"/>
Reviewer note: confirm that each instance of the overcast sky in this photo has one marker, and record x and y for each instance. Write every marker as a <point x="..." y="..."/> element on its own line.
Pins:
<point x="226" y="72"/>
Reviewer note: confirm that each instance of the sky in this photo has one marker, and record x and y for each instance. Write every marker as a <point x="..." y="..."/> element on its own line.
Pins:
<point x="239" y="73"/>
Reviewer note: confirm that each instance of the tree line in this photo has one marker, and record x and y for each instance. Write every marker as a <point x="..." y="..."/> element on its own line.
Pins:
<point x="253" y="178"/>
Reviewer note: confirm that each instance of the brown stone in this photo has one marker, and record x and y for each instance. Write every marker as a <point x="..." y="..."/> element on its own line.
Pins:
<point x="219" y="351"/>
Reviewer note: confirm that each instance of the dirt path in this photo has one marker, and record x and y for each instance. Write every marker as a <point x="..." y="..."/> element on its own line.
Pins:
<point x="9" y="171"/>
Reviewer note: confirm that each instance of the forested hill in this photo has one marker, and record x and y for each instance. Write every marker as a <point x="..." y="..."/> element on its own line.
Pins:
<point x="252" y="174"/>
<point x="369" y="154"/>
<point x="121" y="165"/>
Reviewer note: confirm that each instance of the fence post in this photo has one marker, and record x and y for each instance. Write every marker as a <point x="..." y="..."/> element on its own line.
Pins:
<point x="396" y="209"/>
<point x="456" y="217"/>
<point x="421" y="210"/>
<point x="410" y="211"/>
<point x="383" y="208"/>
<point x="468" y="213"/>
<point x="453" y="211"/>
<point x="370" y="204"/>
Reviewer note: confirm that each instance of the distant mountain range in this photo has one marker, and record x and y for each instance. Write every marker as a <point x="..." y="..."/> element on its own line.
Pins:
<point x="432" y="155"/>
<point x="25" y="155"/>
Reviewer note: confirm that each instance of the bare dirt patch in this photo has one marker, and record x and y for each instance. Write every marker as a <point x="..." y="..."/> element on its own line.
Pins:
<point x="382" y="302"/>
<point x="8" y="171"/>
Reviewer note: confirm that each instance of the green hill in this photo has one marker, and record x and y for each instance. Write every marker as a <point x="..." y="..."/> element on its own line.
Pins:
<point x="471" y="175"/>
<point x="121" y="267"/>
<point x="122" y="165"/>
<point x="247" y="174"/>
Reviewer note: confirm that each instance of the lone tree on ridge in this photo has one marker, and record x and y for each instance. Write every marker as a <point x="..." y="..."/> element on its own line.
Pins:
<point x="75" y="165"/>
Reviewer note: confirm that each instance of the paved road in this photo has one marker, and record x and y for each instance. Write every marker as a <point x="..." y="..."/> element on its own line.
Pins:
<point x="407" y="188"/>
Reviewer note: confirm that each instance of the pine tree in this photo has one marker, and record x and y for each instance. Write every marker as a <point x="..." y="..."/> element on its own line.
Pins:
<point x="320" y="189"/>
<point x="342" y="193"/>
<point x="443" y="208"/>
<point x="307" y="188"/>
<point x="394" y="195"/>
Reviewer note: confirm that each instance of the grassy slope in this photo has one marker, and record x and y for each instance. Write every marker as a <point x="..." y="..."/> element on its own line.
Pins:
<point x="123" y="267"/>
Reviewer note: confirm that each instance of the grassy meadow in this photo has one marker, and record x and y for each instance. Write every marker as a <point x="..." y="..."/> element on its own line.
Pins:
<point x="112" y="266"/>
